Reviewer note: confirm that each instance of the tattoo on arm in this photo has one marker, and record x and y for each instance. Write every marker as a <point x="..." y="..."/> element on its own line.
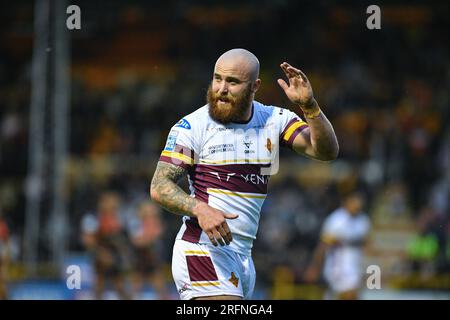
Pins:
<point x="170" y="195"/>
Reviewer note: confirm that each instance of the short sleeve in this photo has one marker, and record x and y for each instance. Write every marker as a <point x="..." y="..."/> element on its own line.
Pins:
<point x="330" y="231"/>
<point x="180" y="145"/>
<point x="291" y="126"/>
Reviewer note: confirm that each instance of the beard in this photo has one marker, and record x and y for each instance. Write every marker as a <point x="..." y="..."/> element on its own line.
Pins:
<point x="233" y="110"/>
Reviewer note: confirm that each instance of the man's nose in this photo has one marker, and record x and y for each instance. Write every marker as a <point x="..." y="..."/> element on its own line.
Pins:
<point x="223" y="89"/>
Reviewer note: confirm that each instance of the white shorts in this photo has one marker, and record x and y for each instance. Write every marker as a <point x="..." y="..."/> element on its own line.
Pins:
<point x="344" y="282"/>
<point x="201" y="270"/>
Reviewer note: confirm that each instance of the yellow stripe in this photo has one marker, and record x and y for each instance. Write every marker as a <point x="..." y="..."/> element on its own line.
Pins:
<point x="292" y="128"/>
<point x="217" y="283"/>
<point x="178" y="156"/>
<point x="196" y="252"/>
<point x="231" y="193"/>
<point x="266" y="161"/>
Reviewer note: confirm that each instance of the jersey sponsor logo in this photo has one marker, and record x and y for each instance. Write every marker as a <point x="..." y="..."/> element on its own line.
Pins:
<point x="248" y="178"/>
<point x="248" y="143"/>
<point x="171" y="141"/>
<point x="225" y="147"/>
<point x="227" y="175"/>
<point x="255" y="178"/>
<point x="183" y="123"/>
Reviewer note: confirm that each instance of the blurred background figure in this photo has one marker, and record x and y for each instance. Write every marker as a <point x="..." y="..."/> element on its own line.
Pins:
<point x="147" y="246"/>
<point x="339" y="253"/>
<point x="4" y="256"/>
<point x="105" y="237"/>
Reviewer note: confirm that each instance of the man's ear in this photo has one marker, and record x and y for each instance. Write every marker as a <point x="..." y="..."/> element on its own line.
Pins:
<point x="256" y="85"/>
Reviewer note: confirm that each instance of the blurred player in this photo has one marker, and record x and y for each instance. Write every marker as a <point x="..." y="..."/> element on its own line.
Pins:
<point x="224" y="147"/>
<point x="4" y="256"/>
<point x="106" y="238"/>
<point x="148" y="266"/>
<point x="343" y="235"/>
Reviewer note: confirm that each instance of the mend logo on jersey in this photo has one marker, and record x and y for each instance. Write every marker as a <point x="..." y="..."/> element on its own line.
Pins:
<point x="183" y="123"/>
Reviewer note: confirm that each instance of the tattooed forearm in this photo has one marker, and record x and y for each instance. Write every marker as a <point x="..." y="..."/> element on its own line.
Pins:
<point x="167" y="193"/>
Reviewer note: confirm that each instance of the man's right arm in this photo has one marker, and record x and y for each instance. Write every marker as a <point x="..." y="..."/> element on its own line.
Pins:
<point x="165" y="191"/>
<point x="326" y="241"/>
<point x="314" y="269"/>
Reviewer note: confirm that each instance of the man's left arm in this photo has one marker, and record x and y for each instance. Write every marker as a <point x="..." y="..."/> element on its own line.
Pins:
<point x="318" y="141"/>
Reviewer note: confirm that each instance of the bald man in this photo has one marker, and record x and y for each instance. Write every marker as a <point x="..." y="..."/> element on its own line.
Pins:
<point x="228" y="150"/>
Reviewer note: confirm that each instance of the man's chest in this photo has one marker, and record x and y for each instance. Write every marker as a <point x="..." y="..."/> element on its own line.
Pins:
<point x="230" y="145"/>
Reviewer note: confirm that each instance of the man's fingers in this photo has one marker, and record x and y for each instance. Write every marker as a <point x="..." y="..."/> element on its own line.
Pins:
<point x="294" y="75"/>
<point x="298" y="73"/>
<point x="283" y="84"/>
<point x="218" y="237"/>
<point x="293" y="71"/>
<point x="223" y="234"/>
<point x="302" y="75"/>
<point x="227" y="231"/>
<point x="284" y="67"/>
<point x="287" y="68"/>
<point x="211" y="238"/>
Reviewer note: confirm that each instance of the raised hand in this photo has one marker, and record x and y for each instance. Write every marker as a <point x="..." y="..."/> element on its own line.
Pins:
<point x="299" y="90"/>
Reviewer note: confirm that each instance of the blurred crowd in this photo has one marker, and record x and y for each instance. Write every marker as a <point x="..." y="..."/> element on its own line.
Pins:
<point x="136" y="69"/>
<point x="124" y="248"/>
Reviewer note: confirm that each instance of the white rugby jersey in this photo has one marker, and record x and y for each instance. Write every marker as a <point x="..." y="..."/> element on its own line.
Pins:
<point x="229" y="165"/>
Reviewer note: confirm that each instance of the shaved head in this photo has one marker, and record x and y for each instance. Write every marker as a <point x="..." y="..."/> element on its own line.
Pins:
<point x="242" y="59"/>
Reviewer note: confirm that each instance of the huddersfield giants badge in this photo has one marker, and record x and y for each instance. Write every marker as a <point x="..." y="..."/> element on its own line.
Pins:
<point x="234" y="280"/>
<point x="269" y="145"/>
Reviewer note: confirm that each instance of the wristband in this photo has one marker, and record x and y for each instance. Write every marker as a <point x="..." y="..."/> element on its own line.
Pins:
<point x="312" y="114"/>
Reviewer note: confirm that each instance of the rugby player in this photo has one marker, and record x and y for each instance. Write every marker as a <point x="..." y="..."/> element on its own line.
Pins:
<point x="224" y="148"/>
